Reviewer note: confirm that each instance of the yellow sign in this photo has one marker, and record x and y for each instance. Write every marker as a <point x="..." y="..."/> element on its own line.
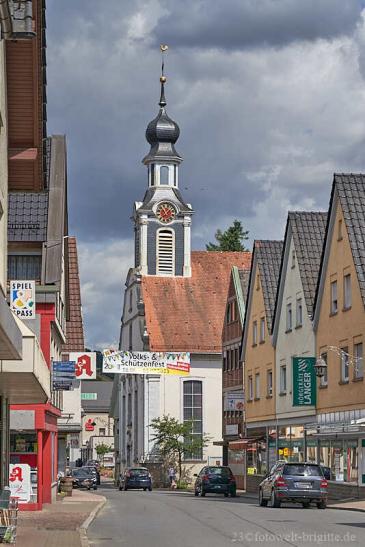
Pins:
<point x="251" y="470"/>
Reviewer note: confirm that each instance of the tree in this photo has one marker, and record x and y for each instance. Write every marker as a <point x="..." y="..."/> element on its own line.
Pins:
<point x="102" y="449"/>
<point x="175" y="439"/>
<point x="230" y="240"/>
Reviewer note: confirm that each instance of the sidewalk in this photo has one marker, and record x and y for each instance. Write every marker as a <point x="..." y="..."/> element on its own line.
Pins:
<point x="59" y="523"/>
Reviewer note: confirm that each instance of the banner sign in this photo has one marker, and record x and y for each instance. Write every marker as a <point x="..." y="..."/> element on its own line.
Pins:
<point x="19" y="482"/>
<point x="304" y="381"/>
<point x="234" y="400"/>
<point x="63" y="374"/>
<point x="22" y="298"/>
<point x="146" y="362"/>
<point x="85" y="367"/>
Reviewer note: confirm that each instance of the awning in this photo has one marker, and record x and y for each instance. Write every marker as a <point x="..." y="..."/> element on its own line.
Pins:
<point x="26" y="381"/>
<point x="243" y="444"/>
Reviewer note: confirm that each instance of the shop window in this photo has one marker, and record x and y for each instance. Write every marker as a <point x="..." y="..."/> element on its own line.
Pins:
<point x="358" y="361"/>
<point x="254" y="333"/>
<point x="257" y="386"/>
<point x="283" y="379"/>
<point x="344" y="364"/>
<point x="269" y="383"/>
<point x="289" y="319"/>
<point x="347" y="292"/>
<point x="262" y="329"/>
<point x="193" y="411"/>
<point x="334" y="301"/>
<point x="299" y="314"/>
<point x="324" y="378"/>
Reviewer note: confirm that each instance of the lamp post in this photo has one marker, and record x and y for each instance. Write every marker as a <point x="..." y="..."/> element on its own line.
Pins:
<point x="320" y="367"/>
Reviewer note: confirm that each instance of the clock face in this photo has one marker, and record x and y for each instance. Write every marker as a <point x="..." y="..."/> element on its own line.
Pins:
<point x="165" y="212"/>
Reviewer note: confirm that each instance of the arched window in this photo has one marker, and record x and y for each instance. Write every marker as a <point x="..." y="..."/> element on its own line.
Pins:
<point x="165" y="249"/>
<point x="193" y="411"/>
<point x="164" y="175"/>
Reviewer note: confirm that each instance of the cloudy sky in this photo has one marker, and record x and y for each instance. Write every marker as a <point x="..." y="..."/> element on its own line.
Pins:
<point x="269" y="96"/>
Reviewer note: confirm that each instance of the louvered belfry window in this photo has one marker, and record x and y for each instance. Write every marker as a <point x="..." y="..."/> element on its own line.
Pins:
<point x="165" y="252"/>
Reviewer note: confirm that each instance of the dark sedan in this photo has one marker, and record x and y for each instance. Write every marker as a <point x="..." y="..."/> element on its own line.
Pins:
<point x="135" y="477"/>
<point x="93" y="470"/>
<point x="82" y="478"/>
<point x="217" y="480"/>
<point x="294" y="482"/>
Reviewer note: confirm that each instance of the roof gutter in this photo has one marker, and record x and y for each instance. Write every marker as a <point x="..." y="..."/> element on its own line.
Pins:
<point x="5" y="20"/>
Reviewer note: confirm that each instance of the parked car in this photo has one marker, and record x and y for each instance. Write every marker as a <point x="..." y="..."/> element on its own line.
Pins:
<point x="93" y="470"/>
<point x="135" y="477"/>
<point x="215" y="479"/>
<point x="294" y="482"/>
<point x="82" y="478"/>
<point x="328" y="474"/>
<point x="93" y="463"/>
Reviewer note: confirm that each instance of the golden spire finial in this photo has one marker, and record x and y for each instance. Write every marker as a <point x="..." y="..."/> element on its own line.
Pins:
<point x="163" y="49"/>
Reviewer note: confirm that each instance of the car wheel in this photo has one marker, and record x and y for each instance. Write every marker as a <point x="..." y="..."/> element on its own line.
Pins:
<point x="150" y="488"/>
<point x="226" y="494"/>
<point x="233" y="493"/>
<point x="95" y="487"/>
<point x="274" y="500"/>
<point x="196" y="493"/>
<point x="120" y="488"/>
<point x="306" y="504"/>
<point x="202" y="493"/>
<point x="125" y="489"/>
<point x="144" y="489"/>
<point x="322" y="504"/>
<point x="262" y="502"/>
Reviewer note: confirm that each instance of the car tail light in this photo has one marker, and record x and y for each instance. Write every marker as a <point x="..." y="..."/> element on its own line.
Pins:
<point x="280" y="482"/>
<point x="324" y="483"/>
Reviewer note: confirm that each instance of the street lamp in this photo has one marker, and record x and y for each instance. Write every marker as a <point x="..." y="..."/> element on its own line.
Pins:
<point x="320" y="367"/>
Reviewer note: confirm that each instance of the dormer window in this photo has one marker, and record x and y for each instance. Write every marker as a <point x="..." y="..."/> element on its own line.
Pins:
<point x="164" y="175"/>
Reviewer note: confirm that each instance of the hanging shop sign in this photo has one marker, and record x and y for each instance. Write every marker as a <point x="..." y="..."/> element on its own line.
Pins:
<point x="304" y="381"/>
<point x="146" y="362"/>
<point x="85" y="365"/>
<point x="63" y="374"/>
<point x="22" y="298"/>
<point x="19" y="482"/>
<point x="234" y="400"/>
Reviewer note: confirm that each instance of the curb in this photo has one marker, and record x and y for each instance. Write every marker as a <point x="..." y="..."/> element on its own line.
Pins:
<point x="356" y="509"/>
<point x="85" y="525"/>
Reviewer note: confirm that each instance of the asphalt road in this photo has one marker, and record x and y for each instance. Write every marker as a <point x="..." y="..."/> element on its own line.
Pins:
<point x="174" y="519"/>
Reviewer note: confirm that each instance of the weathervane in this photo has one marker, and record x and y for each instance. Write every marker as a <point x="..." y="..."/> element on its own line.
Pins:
<point x="163" y="49"/>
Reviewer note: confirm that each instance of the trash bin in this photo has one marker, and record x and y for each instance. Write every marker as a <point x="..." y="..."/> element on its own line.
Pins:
<point x="66" y="485"/>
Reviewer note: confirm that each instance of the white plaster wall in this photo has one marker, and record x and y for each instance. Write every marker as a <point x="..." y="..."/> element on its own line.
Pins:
<point x="300" y="341"/>
<point x="3" y="172"/>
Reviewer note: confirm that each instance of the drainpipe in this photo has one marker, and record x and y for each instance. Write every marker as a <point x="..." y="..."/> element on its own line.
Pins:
<point x="5" y="20"/>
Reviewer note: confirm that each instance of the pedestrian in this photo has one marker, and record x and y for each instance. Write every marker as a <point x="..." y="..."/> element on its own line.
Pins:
<point x="172" y="478"/>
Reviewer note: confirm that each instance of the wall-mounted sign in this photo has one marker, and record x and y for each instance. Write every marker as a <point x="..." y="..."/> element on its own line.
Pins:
<point x="146" y="362"/>
<point x="22" y="298"/>
<point x="304" y="381"/>
<point x="89" y="425"/>
<point x="89" y="396"/>
<point x="19" y="482"/>
<point x="85" y="367"/>
<point x="234" y="400"/>
<point x="232" y="429"/>
<point x="63" y="374"/>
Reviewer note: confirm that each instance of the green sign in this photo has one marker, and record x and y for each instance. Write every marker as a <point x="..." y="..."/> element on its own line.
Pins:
<point x="304" y="381"/>
<point x="89" y="396"/>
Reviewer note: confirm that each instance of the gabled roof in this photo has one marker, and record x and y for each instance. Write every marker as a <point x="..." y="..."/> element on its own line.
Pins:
<point x="269" y="259"/>
<point x="27" y="216"/>
<point x="187" y="313"/>
<point x="349" y="189"/>
<point x="240" y="280"/>
<point x="74" y="325"/>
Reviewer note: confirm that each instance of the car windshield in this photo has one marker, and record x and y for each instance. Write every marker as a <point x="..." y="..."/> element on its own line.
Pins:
<point x="81" y="473"/>
<point x="302" y="470"/>
<point x="140" y="471"/>
<point x="225" y="471"/>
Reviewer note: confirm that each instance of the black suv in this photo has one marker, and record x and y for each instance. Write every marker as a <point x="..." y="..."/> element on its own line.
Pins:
<point x="217" y="480"/>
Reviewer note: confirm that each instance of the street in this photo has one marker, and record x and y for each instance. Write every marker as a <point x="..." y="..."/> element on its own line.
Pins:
<point x="178" y="519"/>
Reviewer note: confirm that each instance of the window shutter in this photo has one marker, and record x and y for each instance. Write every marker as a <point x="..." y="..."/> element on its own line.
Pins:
<point x="165" y="252"/>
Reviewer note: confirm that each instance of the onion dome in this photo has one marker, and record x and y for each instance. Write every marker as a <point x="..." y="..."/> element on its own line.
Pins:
<point x="162" y="133"/>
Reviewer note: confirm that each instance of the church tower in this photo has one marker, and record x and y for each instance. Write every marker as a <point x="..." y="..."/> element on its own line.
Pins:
<point x="163" y="220"/>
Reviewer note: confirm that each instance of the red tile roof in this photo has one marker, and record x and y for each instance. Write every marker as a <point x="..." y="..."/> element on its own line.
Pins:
<point x="74" y="327"/>
<point x="186" y="313"/>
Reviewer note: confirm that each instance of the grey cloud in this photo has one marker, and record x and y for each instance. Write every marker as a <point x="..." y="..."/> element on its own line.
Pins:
<point x="238" y="24"/>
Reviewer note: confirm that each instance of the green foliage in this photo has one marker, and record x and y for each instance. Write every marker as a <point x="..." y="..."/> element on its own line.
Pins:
<point x="102" y="449"/>
<point x="175" y="440"/>
<point x="230" y="240"/>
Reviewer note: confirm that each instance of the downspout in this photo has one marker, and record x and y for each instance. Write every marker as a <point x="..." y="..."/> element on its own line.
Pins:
<point x="5" y="20"/>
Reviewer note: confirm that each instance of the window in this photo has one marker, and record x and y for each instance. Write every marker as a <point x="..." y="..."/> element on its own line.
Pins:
<point x="24" y="267"/>
<point x="254" y="333"/>
<point x="250" y="388"/>
<point x="334" y="297"/>
<point x="345" y="364"/>
<point x="339" y="233"/>
<point x="102" y="431"/>
<point x="269" y="383"/>
<point x="283" y="379"/>
<point x="165" y="252"/>
<point x="225" y="360"/>
<point x="324" y="378"/>
<point x="262" y="329"/>
<point x="299" y="317"/>
<point x="358" y="361"/>
<point x="293" y="259"/>
<point x="152" y="175"/>
<point x="257" y="386"/>
<point x="130" y="333"/>
<point x="347" y="291"/>
<point x="258" y="282"/>
<point x="193" y="412"/>
<point x="288" y="317"/>
<point x="164" y="175"/>
<point x="238" y="364"/>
